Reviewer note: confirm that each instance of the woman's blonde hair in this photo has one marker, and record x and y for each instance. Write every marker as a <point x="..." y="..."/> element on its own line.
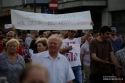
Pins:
<point x="41" y="40"/>
<point x="12" y="41"/>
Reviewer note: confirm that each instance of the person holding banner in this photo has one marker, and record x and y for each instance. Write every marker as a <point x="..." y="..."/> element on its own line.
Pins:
<point x="71" y="49"/>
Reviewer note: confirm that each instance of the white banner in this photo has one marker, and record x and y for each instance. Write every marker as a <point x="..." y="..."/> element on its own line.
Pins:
<point x="38" y="21"/>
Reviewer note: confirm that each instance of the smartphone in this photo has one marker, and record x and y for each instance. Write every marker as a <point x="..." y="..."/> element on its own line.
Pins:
<point x="8" y="26"/>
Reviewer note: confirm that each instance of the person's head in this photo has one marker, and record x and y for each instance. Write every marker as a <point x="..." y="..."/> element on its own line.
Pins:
<point x="24" y="34"/>
<point x="35" y="33"/>
<point x="21" y="40"/>
<point x="33" y="74"/>
<point x="41" y="44"/>
<point x="72" y="33"/>
<point x="95" y="34"/>
<point x="54" y="43"/>
<point x="12" y="45"/>
<point x="43" y="34"/>
<point x="61" y="35"/>
<point x="1" y="34"/>
<point x="55" y="32"/>
<point x="4" y="45"/>
<point x="48" y="33"/>
<point x="10" y="35"/>
<point x="90" y="38"/>
<point x="105" y="32"/>
<point x="114" y="30"/>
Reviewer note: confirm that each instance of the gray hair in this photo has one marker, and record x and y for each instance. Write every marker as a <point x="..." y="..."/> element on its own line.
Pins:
<point x="55" y="36"/>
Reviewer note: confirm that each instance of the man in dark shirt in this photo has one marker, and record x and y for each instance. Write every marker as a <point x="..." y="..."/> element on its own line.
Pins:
<point x="101" y="51"/>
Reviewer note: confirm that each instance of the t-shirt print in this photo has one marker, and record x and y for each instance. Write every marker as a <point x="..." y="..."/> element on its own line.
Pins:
<point x="71" y="56"/>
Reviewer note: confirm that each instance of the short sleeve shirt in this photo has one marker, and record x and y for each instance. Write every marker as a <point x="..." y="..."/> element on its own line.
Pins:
<point x="72" y="57"/>
<point x="102" y="50"/>
<point x="85" y="51"/>
<point x="59" y="69"/>
<point x="9" y="69"/>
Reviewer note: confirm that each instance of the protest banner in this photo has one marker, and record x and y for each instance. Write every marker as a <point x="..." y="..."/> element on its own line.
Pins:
<point x="38" y="21"/>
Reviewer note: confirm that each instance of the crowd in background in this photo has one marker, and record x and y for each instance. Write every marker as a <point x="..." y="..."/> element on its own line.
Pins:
<point x="97" y="51"/>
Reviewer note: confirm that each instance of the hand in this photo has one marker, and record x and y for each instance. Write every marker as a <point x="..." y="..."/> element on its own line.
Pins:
<point x="121" y="69"/>
<point x="107" y="62"/>
<point x="92" y="23"/>
<point x="69" y="48"/>
<point x="13" y="28"/>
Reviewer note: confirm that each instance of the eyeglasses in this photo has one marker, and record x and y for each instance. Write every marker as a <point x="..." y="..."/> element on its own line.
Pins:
<point x="73" y="31"/>
<point x="113" y="29"/>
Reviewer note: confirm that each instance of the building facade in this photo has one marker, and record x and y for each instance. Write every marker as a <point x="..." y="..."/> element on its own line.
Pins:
<point x="103" y="12"/>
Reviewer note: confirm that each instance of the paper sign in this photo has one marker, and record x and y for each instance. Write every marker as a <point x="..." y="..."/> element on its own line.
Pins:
<point x="8" y="26"/>
<point x="75" y="48"/>
<point x="38" y="21"/>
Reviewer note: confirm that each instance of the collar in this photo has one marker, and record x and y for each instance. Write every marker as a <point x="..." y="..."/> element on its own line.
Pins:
<point x="47" y="55"/>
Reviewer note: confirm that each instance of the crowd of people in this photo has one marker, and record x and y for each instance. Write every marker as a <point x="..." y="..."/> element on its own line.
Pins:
<point x="52" y="57"/>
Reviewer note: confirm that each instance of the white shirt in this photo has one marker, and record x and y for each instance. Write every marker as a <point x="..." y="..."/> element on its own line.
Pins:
<point x="73" y="57"/>
<point x="59" y="69"/>
<point x="31" y="52"/>
<point x="85" y="51"/>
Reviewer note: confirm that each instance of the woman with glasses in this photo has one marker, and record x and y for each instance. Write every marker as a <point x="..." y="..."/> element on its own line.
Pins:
<point x="11" y="62"/>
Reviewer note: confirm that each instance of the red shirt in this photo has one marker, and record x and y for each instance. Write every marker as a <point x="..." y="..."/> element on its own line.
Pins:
<point x="20" y="51"/>
<point x="1" y="47"/>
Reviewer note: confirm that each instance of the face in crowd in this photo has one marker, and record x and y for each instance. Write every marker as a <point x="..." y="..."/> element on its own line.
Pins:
<point x="90" y="38"/>
<point x="45" y="34"/>
<point x="12" y="46"/>
<point x="54" y="44"/>
<point x="105" y="32"/>
<point x="72" y="33"/>
<point x="21" y="41"/>
<point x="10" y="35"/>
<point x="114" y="30"/>
<point x="41" y="47"/>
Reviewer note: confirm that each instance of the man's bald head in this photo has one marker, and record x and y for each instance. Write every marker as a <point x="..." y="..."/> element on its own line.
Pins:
<point x="10" y="35"/>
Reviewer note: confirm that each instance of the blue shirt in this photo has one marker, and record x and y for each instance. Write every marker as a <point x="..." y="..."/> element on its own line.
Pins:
<point x="59" y="69"/>
<point x="28" y="41"/>
<point x="9" y="69"/>
<point x="116" y="44"/>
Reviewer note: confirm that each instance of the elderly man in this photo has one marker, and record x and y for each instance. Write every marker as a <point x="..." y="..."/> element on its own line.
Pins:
<point x="57" y="64"/>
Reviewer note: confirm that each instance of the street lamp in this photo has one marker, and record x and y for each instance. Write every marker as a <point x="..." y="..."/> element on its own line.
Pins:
<point x="35" y="6"/>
